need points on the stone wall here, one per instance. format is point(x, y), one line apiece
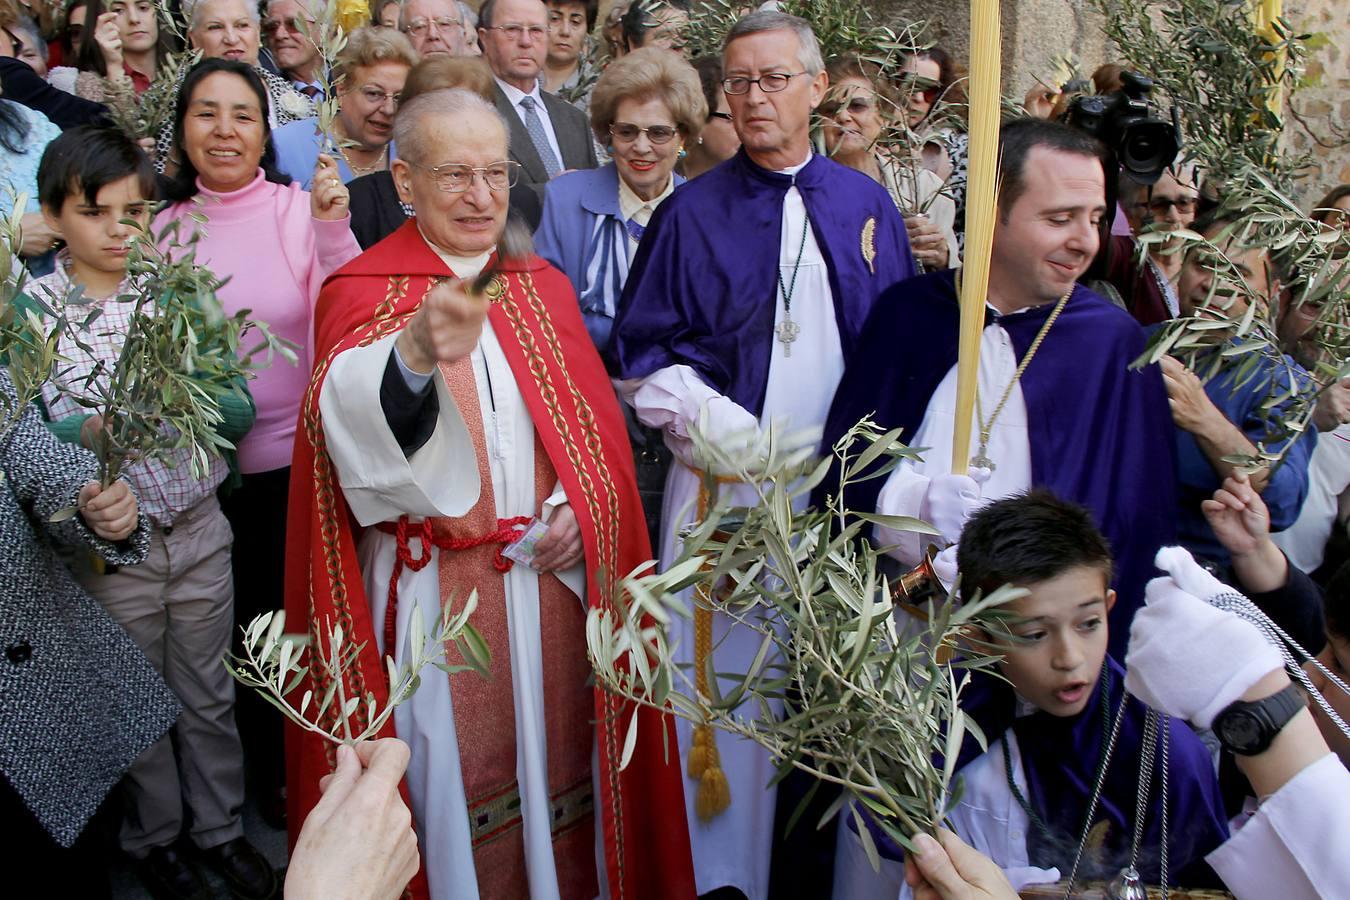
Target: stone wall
point(1325, 107)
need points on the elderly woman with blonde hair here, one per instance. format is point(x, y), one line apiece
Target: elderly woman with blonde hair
point(645, 107)
point(369, 73)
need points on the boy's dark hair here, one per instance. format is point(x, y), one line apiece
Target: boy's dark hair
point(86, 159)
point(1018, 137)
point(1336, 604)
point(1028, 538)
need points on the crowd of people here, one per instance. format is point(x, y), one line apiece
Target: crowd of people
point(538, 258)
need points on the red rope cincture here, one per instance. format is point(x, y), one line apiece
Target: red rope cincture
point(508, 532)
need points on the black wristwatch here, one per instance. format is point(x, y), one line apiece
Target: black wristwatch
point(1248, 728)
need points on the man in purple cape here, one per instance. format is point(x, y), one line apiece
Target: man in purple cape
point(750, 286)
point(1076, 420)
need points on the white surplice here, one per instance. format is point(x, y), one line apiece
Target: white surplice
point(734, 848)
point(441, 479)
point(1009, 444)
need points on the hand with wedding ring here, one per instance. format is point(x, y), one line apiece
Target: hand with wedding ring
point(561, 547)
point(328, 196)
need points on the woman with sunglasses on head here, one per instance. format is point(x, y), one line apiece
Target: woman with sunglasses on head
point(370, 73)
point(858, 113)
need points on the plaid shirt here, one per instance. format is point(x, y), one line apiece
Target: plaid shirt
point(165, 487)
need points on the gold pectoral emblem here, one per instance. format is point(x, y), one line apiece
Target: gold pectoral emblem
point(868, 243)
point(495, 289)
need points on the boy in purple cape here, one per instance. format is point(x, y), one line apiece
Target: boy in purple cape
point(1026, 799)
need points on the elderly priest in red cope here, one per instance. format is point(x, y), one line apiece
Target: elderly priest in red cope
point(439, 420)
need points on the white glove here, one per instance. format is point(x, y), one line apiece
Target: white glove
point(944, 566)
point(728, 426)
point(1189, 575)
point(949, 502)
point(1189, 659)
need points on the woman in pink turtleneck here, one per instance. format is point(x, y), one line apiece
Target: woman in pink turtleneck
point(275, 243)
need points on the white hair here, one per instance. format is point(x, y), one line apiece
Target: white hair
point(194, 11)
point(457, 8)
point(451, 104)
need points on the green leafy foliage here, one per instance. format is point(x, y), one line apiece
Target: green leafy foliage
point(273, 663)
point(870, 699)
point(1228, 81)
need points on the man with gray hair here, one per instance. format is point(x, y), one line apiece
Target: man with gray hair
point(749, 286)
point(457, 402)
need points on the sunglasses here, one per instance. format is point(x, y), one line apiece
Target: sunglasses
point(657, 134)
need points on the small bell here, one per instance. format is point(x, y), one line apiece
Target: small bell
point(1127, 886)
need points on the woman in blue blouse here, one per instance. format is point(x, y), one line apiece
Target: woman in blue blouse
point(645, 107)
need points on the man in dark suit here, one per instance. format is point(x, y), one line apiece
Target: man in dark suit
point(548, 135)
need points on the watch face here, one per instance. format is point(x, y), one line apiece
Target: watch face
point(1241, 729)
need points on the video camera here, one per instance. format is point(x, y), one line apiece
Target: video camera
point(1143, 144)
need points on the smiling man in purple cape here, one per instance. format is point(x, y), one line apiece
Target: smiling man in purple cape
point(750, 287)
point(1058, 406)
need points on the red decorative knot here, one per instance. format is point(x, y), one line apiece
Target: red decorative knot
point(508, 532)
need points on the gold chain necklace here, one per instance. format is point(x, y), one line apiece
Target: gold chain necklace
point(364, 170)
point(981, 458)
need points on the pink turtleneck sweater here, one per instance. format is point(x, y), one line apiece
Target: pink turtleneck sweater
point(276, 257)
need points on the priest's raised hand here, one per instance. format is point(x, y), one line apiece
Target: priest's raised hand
point(446, 327)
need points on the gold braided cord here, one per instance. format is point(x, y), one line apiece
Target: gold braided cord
point(988, 425)
point(704, 762)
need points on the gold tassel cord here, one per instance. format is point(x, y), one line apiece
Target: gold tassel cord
point(703, 761)
point(981, 195)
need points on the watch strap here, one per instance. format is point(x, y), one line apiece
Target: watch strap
point(1271, 713)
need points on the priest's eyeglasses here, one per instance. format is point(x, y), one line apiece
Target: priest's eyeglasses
point(628, 132)
point(456, 178)
point(769, 82)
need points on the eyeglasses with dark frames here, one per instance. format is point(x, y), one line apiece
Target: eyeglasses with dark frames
point(769, 82)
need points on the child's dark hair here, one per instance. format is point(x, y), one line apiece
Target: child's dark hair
point(1336, 604)
point(87, 158)
point(1027, 538)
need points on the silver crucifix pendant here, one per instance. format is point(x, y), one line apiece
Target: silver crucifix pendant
point(980, 461)
point(787, 333)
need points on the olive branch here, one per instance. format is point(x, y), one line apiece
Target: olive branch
point(870, 700)
point(273, 664)
point(1226, 79)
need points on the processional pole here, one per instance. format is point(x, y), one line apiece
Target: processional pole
point(981, 190)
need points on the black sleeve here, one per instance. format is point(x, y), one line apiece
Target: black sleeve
point(411, 414)
point(1296, 607)
point(22, 85)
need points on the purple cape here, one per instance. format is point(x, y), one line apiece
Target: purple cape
point(704, 284)
point(1060, 757)
point(1101, 435)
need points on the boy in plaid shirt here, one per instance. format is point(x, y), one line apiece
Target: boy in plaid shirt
point(178, 604)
